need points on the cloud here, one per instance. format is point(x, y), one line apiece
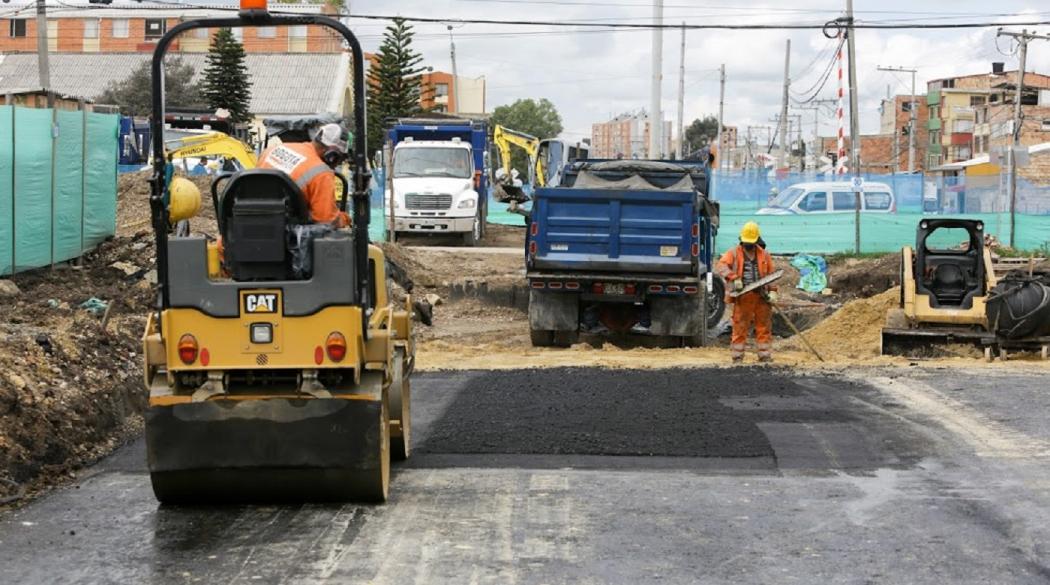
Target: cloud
point(591, 76)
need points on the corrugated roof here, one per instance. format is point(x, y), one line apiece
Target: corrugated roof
point(282, 83)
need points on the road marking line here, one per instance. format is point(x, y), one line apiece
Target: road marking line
point(988, 438)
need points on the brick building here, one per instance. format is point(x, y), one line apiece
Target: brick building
point(626, 136)
point(876, 152)
point(895, 118)
point(135, 27)
point(955, 104)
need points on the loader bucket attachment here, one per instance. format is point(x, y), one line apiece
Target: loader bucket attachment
point(926, 343)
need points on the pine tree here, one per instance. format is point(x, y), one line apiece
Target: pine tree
point(226, 83)
point(394, 81)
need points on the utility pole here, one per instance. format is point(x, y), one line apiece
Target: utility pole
point(681, 98)
point(43, 66)
point(721, 111)
point(854, 117)
point(784, 106)
point(655, 119)
point(913, 106)
point(455, 75)
point(1022, 38)
point(747, 150)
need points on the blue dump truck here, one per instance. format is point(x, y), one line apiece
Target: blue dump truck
point(439, 177)
point(624, 247)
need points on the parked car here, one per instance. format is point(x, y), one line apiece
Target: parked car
point(837, 197)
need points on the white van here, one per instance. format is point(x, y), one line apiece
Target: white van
point(837, 197)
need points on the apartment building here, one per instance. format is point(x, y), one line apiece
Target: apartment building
point(954, 104)
point(135, 27)
point(627, 136)
point(895, 122)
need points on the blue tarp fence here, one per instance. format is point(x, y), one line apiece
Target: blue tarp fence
point(742, 193)
point(58, 185)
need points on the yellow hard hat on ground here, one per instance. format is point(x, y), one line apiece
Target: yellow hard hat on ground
point(749, 234)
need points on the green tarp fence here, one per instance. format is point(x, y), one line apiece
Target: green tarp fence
point(58, 185)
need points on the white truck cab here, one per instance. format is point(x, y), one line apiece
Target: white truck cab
point(434, 189)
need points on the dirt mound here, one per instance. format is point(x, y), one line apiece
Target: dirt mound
point(853, 331)
point(70, 390)
point(864, 277)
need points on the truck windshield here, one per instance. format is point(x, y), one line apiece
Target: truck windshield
point(787, 198)
point(432, 162)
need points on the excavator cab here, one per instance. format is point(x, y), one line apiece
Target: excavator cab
point(277, 368)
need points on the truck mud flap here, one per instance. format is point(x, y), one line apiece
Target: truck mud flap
point(678, 316)
point(550, 311)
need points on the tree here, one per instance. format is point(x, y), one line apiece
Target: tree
point(699, 134)
point(226, 84)
point(133, 95)
point(395, 81)
point(538, 118)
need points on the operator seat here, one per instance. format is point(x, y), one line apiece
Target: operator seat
point(256, 210)
point(949, 284)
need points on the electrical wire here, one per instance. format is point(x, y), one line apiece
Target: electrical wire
point(818, 87)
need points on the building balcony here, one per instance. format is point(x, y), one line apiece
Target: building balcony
point(961, 138)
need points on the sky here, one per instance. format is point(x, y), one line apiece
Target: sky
point(593, 75)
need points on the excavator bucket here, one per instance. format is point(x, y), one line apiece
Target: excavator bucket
point(509, 193)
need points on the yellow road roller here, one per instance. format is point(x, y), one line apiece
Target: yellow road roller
point(277, 364)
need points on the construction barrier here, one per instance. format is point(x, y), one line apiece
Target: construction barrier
point(58, 185)
point(741, 194)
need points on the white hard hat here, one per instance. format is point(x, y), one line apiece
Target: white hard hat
point(334, 137)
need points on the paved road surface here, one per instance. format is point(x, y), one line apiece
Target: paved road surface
point(590, 476)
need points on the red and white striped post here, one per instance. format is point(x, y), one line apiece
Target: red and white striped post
point(840, 161)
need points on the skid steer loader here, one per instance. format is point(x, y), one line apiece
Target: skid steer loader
point(281, 371)
point(945, 282)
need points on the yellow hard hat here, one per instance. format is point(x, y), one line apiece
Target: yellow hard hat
point(185, 199)
point(749, 234)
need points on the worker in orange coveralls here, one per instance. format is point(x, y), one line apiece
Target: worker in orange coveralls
point(740, 267)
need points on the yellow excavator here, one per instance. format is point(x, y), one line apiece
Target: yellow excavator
point(505, 138)
point(212, 144)
point(277, 366)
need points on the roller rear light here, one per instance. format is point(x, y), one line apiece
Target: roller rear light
point(655, 288)
point(532, 247)
point(188, 349)
point(629, 289)
point(335, 346)
point(534, 228)
point(696, 230)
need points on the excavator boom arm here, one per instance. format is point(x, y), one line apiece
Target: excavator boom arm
point(213, 144)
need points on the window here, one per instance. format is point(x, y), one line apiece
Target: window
point(297, 32)
point(935, 136)
point(935, 111)
point(877, 201)
point(844, 201)
point(120, 28)
point(977, 100)
point(266, 32)
point(933, 160)
point(155, 28)
point(238, 33)
point(441, 90)
point(91, 28)
point(202, 33)
point(815, 202)
point(965, 126)
point(18, 28)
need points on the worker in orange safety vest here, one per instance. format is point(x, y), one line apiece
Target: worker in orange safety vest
point(310, 165)
point(739, 267)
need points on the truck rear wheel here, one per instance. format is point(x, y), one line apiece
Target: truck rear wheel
point(541, 338)
point(566, 338)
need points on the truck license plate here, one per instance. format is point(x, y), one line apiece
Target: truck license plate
point(614, 289)
point(668, 250)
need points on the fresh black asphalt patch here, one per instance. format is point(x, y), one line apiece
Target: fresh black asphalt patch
point(695, 413)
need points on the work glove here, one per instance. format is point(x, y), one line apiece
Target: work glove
point(772, 297)
point(738, 285)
